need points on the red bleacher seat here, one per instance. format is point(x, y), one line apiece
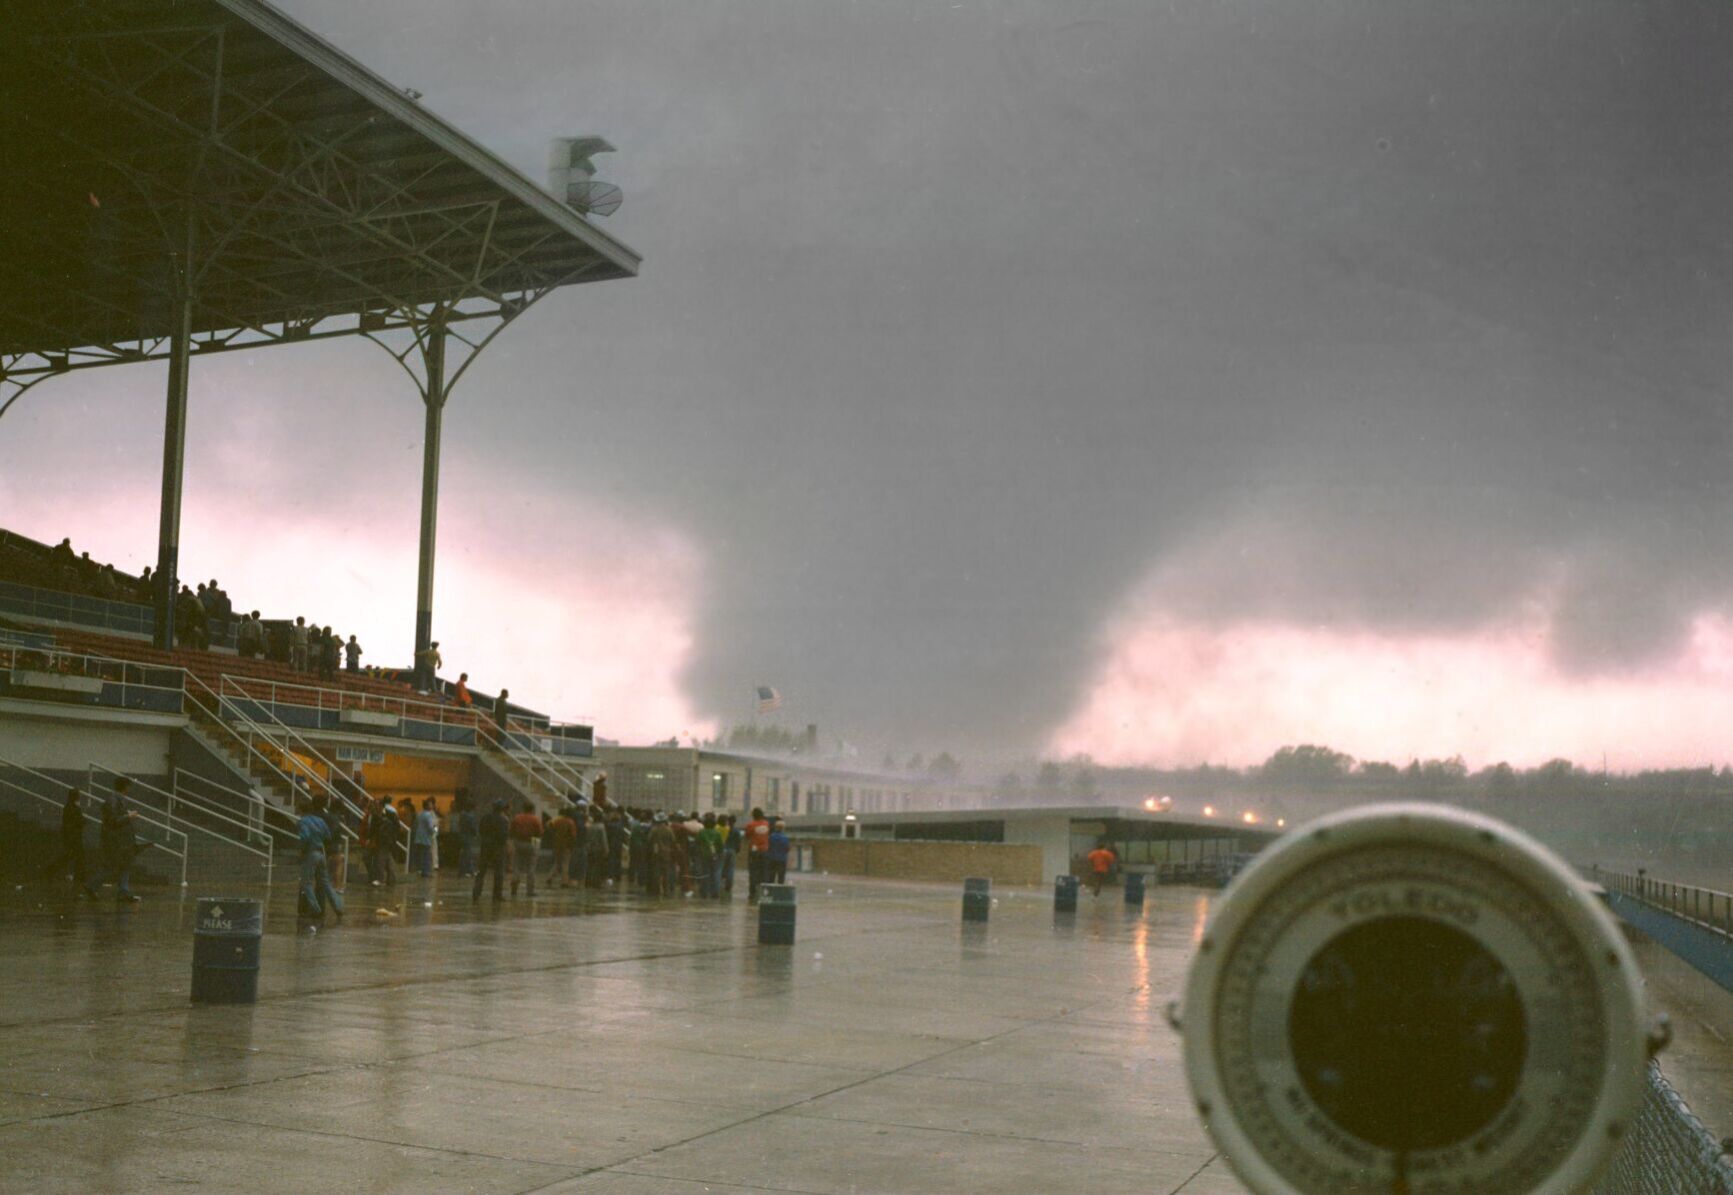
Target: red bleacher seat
point(211, 667)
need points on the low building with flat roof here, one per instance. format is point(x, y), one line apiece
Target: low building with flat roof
point(710, 779)
point(1154, 842)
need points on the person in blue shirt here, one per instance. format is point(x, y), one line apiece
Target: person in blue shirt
point(317, 892)
point(778, 852)
point(422, 838)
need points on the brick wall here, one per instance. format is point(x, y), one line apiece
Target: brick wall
point(937, 861)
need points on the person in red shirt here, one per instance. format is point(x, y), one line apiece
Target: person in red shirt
point(526, 841)
point(463, 697)
point(757, 833)
point(1101, 861)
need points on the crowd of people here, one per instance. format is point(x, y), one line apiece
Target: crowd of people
point(203, 613)
point(583, 844)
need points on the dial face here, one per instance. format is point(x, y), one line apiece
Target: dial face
point(1409, 1019)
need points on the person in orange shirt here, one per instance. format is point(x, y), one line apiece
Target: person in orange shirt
point(463, 697)
point(1101, 861)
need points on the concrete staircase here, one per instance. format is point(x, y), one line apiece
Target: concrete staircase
point(520, 777)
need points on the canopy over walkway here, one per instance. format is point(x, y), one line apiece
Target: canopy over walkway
point(185, 177)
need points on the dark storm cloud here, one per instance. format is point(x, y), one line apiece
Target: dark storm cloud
point(959, 320)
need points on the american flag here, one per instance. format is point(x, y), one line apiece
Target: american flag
point(769, 700)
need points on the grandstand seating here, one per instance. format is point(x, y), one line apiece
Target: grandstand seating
point(358, 690)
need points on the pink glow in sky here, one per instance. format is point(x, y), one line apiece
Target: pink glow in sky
point(582, 612)
point(1175, 691)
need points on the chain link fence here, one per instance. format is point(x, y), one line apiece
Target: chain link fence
point(1668, 1151)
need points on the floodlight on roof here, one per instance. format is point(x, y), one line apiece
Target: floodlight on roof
point(572, 175)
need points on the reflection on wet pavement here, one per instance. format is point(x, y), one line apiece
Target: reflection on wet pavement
point(594, 1042)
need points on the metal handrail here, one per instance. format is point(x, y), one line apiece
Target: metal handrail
point(567, 775)
point(1709, 908)
point(525, 761)
point(245, 743)
point(258, 809)
point(289, 732)
point(572, 774)
point(321, 697)
point(168, 812)
point(168, 831)
point(540, 764)
point(80, 663)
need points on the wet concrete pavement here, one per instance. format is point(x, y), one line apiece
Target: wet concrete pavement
point(597, 1042)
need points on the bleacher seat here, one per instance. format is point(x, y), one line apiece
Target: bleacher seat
point(212, 667)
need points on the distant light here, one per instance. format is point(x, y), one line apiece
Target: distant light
point(1249, 818)
point(1280, 822)
point(1149, 804)
point(1209, 810)
point(848, 817)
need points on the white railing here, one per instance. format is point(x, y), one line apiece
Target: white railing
point(319, 697)
point(1709, 908)
point(168, 832)
point(558, 771)
point(127, 674)
point(278, 726)
point(181, 823)
point(248, 749)
point(205, 794)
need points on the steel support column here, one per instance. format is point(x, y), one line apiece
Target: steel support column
point(174, 433)
point(433, 397)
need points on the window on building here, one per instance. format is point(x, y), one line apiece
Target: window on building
point(719, 789)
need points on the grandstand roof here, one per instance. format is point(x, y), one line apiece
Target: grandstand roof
point(316, 198)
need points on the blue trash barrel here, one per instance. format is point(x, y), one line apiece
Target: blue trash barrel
point(226, 938)
point(776, 915)
point(1134, 887)
point(1065, 894)
point(977, 898)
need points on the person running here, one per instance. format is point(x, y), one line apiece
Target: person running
point(71, 845)
point(1101, 861)
point(757, 833)
point(317, 892)
point(492, 834)
point(526, 835)
point(776, 855)
point(422, 840)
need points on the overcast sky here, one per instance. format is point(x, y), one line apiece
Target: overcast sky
point(1165, 382)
